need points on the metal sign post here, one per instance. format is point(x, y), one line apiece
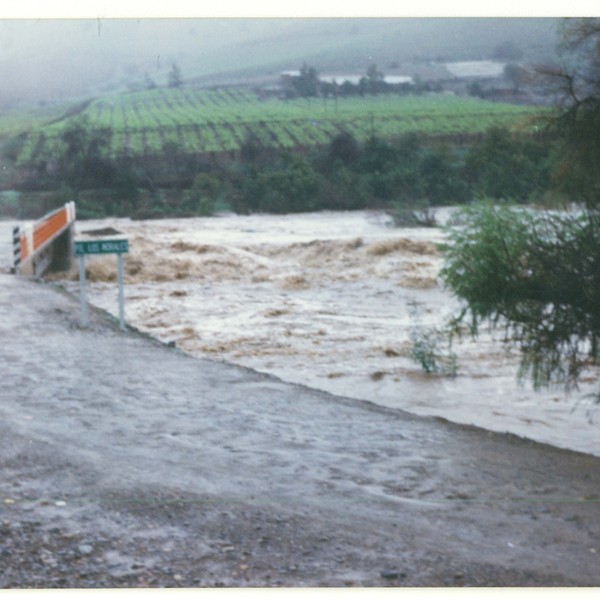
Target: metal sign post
point(121, 294)
point(118, 247)
point(82, 296)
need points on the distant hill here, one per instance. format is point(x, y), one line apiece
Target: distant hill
point(45, 61)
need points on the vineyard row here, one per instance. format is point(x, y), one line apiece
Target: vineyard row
point(194, 121)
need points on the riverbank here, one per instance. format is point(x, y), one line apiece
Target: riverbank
point(126, 463)
point(335, 301)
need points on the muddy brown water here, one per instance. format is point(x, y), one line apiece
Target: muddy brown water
point(329, 300)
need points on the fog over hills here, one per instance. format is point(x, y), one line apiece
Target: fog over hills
point(50, 60)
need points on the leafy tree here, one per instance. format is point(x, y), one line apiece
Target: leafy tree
point(417, 213)
point(537, 273)
point(175, 79)
point(375, 79)
point(149, 83)
point(12, 147)
point(82, 156)
point(201, 198)
point(343, 189)
point(363, 86)
point(378, 156)
point(347, 88)
point(293, 188)
point(476, 89)
point(291, 185)
point(392, 170)
point(344, 147)
point(507, 166)
point(126, 184)
point(442, 176)
point(307, 83)
point(577, 123)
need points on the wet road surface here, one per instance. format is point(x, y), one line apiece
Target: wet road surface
point(125, 462)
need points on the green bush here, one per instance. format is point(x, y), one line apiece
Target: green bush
point(415, 214)
point(343, 189)
point(291, 185)
point(201, 198)
point(431, 347)
point(536, 274)
point(508, 166)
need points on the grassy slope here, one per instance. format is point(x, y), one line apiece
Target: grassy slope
point(217, 121)
point(228, 50)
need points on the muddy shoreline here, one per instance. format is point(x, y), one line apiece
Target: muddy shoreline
point(126, 463)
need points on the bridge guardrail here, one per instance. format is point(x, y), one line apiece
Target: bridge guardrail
point(34, 245)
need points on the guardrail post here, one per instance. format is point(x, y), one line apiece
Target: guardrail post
point(16, 248)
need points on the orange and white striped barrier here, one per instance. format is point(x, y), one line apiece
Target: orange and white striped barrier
point(33, 244)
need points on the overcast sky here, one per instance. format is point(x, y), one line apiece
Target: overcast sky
point(296, 8)
point(49, 60)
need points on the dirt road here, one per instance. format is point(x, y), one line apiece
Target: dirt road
point(126, 463)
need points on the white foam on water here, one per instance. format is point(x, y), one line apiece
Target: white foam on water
point(327, 300)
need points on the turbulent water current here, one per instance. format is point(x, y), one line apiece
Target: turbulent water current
point(330, 300)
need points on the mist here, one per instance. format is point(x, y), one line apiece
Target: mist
point(59, 60)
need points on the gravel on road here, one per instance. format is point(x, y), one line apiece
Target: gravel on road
point(126, 463)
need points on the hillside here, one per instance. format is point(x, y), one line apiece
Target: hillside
point(64, 60)
point(192, 122)
point(123, 129)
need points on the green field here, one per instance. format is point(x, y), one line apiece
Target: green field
point(193, 121)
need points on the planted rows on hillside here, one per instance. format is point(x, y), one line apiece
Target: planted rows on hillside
point(162, 121)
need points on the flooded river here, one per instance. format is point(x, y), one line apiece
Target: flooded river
point(330, 301)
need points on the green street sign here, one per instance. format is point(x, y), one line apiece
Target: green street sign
point(101, 247)
point(118, 247)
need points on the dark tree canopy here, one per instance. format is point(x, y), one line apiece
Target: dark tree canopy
point(82, 157)
point(576, 84)
point(175, 78)
point(307, 83)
